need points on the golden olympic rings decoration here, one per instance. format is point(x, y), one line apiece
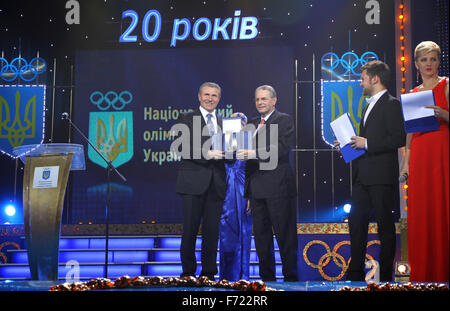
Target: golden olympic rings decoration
point(338, 259)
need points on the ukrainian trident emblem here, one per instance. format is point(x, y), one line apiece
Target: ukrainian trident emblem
point(21, 116)
point(339, 97)
point(46, 174)
point(111, 131)
point(342, 93)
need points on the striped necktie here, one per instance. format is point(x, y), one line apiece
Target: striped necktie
point(210, 125)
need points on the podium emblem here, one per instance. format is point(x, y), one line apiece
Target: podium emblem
point(46, 174)
point(21, 116)
point(111, 131)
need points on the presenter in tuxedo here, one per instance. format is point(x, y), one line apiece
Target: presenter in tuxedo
point(375, 174)
point(201, 182)
point(270, 186)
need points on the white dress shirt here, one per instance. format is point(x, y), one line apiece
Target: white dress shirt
point(371, 101)
point(268, 116)
point(265, 121)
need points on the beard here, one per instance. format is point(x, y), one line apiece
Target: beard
point(367, 92)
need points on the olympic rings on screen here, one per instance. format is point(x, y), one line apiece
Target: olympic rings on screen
point(19, 67)
point(348, 61)
point(111, 98)
point(338, 259)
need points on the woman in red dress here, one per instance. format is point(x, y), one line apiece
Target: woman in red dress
point(426, 161)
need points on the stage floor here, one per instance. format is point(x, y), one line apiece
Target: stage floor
point(310, 286)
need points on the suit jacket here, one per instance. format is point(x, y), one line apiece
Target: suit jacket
point(280, 181)
point(385, 133)
point(195, 175)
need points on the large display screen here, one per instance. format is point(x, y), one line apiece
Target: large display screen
point(127, 101)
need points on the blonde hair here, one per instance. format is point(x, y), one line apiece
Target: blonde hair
point(426, 47)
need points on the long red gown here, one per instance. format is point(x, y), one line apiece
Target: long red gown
point(428, 205)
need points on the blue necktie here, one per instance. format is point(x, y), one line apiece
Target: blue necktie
point(210, 125)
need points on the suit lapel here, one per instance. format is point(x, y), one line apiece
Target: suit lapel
point(361, 122)
point(272, 117)
point(364, 113)
point(199, 113)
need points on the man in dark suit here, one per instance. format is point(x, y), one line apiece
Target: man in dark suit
point(270, 186)
point(375, 174)
point(201, 182)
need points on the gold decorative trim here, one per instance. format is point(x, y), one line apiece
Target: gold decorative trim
point(176, 229)
point(335, 228)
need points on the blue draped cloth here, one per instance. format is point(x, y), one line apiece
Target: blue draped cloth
point(235, 227)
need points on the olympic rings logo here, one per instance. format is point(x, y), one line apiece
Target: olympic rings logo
point(338, 259)
point(2, 255)
point(110, 99)
point(19, 67)
point(348, 61)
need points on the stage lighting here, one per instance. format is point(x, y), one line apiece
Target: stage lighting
point(401, 268)
point(10, 210)
point(347, 208)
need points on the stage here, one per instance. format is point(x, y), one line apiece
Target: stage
point(153, 250)
point(292, 286)
point(309, 286)
point(139, 253)
point(282, 296)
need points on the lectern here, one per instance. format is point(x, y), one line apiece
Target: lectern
point(47, 168)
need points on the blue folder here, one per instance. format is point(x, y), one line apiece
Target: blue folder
point(347, 151)
point(422, 125)
point(415, 119)
point(350, 154)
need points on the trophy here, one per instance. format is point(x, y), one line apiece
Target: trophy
point(233, 136)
